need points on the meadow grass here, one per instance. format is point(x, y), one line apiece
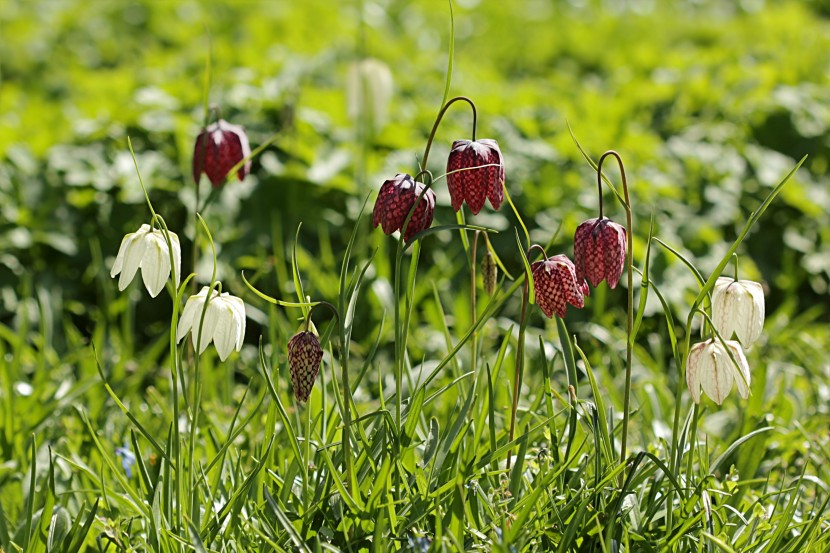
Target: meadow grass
point(117, 438)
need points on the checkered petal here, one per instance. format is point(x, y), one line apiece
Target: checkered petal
point(218, 148)
point(422, 218)
point(475, 173)
point(599, 251)
point(395, 199)
point(556, 285)
point(495, 175)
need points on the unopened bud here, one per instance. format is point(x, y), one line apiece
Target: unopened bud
point(490, 272)
point(304, 356)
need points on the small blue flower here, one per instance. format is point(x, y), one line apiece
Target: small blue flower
point(127, 459)
point(420, 544)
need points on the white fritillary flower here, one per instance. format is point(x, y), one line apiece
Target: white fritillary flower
point(710, 367)
point(147, 249)
point(738, 307)
point(224, 322)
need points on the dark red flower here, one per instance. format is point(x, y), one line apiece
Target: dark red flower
point(304, 356)
point(218, 148)
point(395, 199)
point(475, 185)
point(599, 251)
point(556, 285)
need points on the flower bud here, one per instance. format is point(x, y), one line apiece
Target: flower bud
point(304, 356)
point(489, 272)
point(710, 367)
point(218, 149)
point(599, 251)
point(738, 307)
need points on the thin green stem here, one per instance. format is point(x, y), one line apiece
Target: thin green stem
point(197, 374)
point(347, 394)
point(473, 314)
point(692, 446)
point(307, 460)
point(517, 376)
point(630, 308)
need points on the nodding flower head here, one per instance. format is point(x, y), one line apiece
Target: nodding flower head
point(147, 249)
point(218, 149)
point(738, 307)
point(224, 322)
point(711, 368)
point(475, 172)
point(395, 199)
point(557, 285)
point(599, 251)
point(304, 356)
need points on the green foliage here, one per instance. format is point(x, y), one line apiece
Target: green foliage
point(711, 104)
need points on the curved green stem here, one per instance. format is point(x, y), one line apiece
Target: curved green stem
point(325, 304)
point(438, 122)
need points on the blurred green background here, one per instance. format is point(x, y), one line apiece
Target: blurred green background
point(709, 103)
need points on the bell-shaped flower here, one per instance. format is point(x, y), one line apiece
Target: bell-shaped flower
point(147, 249)
point(738, 307)
point(475, 172)
point(224, 322)
point(304, 356)
point(369, 90)
point(711, 368)
point(395, 199)
point(556, 285)
point(218, 149)
point(599, 251)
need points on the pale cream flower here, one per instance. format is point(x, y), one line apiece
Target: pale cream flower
point(738, 307)
point(369, 90)
point(224, 322)
point(147, 249)
point(710, 367)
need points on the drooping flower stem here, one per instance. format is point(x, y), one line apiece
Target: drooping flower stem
point(197, 374)
point(520, 352)
point(211, 112)
point(438, 122)
point(347, 398)
point(473, 314)
point(402, 326)
point(630, 308)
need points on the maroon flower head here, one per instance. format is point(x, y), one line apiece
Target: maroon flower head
point(218, 148)
point(395, 199)
point(304, 356)
point(556, 285)
point(475, 185)
point(599, 251)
